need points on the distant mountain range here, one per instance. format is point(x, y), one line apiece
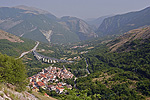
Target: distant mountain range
point(96, 22)
point(78, 26)
point(120, 24)
point(37, 24)
point(41, 25)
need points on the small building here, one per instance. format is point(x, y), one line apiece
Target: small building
point(40, 84)
point(59, 90)
point(46, 94)
point(35, 89)
point(69, 86)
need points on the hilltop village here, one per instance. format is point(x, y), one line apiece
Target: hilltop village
point(49, 79)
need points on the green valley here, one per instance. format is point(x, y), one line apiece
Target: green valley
point(65, 59)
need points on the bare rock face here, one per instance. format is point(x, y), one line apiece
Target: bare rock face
point(47, 34)
point(16, 95)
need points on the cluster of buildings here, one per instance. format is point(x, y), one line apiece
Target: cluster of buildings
point(49, 76)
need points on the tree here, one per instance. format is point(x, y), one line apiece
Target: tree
point(12, 71)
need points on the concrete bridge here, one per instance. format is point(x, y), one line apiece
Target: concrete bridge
point(47, 59)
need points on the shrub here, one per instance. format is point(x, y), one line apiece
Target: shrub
point(1, 94)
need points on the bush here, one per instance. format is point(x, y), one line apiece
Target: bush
point(1, 94)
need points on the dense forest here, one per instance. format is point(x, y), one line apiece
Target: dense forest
point(119, 75)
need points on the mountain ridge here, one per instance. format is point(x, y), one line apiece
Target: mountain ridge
point(9, 37)
point(79, 26)
point(37, 24)
point(122, 23)
point(129, 37)
point(96, 22)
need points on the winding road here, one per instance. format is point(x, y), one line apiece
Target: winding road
point(24, 53)
point(87, 66)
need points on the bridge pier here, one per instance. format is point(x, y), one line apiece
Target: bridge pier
point(46, 59)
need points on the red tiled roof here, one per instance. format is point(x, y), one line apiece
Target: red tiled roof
point(40, 84)
point(46, 94)
point(32, 83)
point(59, 88)
point(35, 87)
point(43, 76)
point(59, 84)
point(49, 86)
point(52, 77)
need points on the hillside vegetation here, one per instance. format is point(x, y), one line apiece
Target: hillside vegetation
point(13, 45)
point(12, 71)
point(120, 75)
point(122, 41)
point(123, 74)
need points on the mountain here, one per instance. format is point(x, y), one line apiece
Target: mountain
point(123, 23)
point(78, 26)
point(130, 39)
point(96, 22)
point(37, 24)
point(9, 37)
point(36, 11)
point(13, 45)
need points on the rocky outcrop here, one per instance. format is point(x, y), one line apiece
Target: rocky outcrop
point(7, 93)
point(47, 34)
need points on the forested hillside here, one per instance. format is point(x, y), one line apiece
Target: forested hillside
point(119, 75)
point(13, 45)
point(12, 71)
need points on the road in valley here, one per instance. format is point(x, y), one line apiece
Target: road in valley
point(87, 66)
point(35, 46)
point(75, 85)
point(24, 53)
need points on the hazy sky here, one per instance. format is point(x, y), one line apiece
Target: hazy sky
point(82, 8)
